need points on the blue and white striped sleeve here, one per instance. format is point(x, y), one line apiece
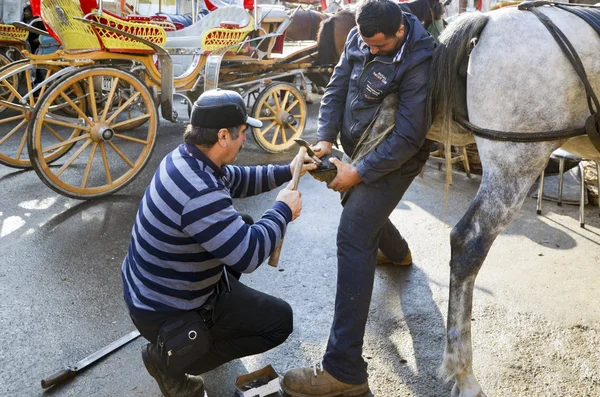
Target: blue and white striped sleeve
point(250, 181)
point(211, 220)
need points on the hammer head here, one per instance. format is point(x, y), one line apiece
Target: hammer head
point(305, 144)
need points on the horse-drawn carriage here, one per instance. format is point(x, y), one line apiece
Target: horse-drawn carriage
point(96, 109)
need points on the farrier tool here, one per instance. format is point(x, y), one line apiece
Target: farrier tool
point(304, 149)
point(309, 151)
point(71, 372)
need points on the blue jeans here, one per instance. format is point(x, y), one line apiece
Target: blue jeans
point(364, 227)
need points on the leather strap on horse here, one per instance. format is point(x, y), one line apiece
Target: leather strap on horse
point(592, 124)
point(495, 135)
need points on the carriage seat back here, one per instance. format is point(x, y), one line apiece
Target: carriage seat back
point(75, 36)
point(269, 13)
point(191, 37)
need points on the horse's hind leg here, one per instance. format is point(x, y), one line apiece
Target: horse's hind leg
point(509, 171)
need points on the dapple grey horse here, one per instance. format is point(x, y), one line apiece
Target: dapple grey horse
point(517, 80)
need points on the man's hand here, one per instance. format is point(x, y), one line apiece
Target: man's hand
point(347, 176)
point(293, 199)
point(322, 148)
point(308, 164)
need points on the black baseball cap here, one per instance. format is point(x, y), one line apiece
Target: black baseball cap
point(221, 109)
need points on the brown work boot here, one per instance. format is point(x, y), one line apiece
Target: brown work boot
point(384, 260)
point(171, 385)
point(315, 381)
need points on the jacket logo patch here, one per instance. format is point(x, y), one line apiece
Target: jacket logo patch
point(375, 87)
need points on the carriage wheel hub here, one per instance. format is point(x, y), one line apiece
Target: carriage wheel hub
point(284, 118)
point(102, 132)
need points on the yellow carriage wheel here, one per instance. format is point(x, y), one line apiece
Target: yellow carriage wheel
point(102, 159)
point(14, 122)
point(282, 110)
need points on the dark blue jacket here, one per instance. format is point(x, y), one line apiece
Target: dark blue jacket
point(358, 87)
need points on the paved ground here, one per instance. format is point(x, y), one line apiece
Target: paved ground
point(536, 314)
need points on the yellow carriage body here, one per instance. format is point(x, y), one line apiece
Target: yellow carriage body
point(12, 34)
point(216, 38)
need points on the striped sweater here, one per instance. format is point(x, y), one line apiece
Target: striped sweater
point(186, 230)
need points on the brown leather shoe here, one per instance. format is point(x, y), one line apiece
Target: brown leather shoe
point(315, 381)
point(384, 260)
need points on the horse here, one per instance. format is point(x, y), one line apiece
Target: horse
point(334, 30)
point(505, 74)
point(305, 25)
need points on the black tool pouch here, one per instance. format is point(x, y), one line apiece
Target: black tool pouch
point(183, 340)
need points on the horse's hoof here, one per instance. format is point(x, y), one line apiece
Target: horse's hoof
point(455, 391)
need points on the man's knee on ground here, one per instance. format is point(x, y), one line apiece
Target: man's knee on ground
point(283, 321)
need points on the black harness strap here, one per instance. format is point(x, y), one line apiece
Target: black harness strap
point(519, 136)
point(592, 125)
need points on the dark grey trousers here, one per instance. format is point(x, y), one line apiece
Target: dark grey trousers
point(364, 227)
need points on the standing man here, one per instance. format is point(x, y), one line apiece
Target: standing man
point(387, 52)
point(189, 246)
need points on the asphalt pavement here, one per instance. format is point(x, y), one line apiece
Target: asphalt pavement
point(536, 317)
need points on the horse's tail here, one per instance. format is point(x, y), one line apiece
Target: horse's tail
point(447, 88)
point(326, 42)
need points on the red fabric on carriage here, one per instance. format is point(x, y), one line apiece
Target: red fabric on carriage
point(36, 11)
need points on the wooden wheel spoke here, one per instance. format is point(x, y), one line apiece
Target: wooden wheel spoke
point(13, 131)
point(12, 89)
point(267, 118)
point(130, 121)
point(65, 143)
point(110, 98)
point(13, 118)
point(275, 134)
point(65, 124)
point(125, 159)
point(293, 129)
point(264, 131)
point(122, 107)
point(270, 108)
point(73, 157)
point(297, 101)
point(285, 99)
point(21, 146)
point(276, 100)
point(130, 138)
point(283, 136)
point(76, 108)
point(13, 106)
point(86, 174)
point(53, 132)
point(93, 99)
point(43, 89)
point(105, 162)
point(29, 87)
